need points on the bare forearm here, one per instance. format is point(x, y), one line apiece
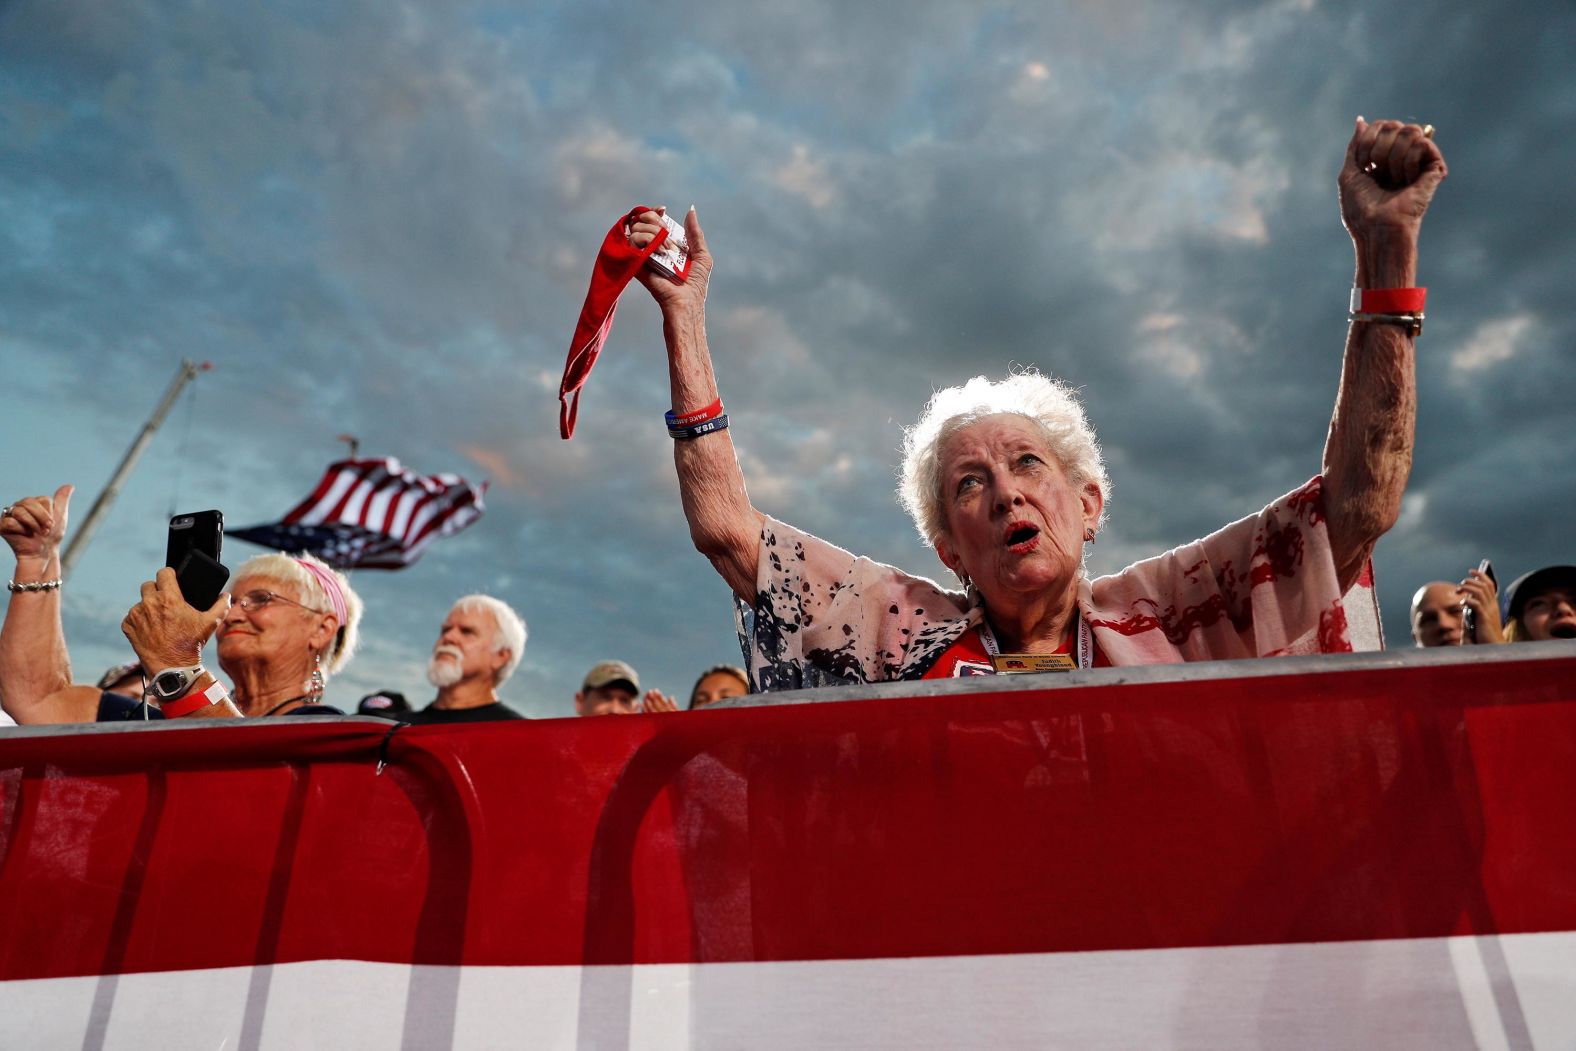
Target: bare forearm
point(33, 659)
point(723, 524)
point(1368, 455)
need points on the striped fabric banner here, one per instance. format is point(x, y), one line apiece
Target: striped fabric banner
point(373, 514)
point(1355, 851)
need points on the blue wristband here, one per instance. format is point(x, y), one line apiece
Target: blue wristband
point(719, 423)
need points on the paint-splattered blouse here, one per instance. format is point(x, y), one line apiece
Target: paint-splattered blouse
point(1262, 586)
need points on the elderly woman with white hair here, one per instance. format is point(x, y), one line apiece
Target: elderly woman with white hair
point(292, 623)
point(1005, 480)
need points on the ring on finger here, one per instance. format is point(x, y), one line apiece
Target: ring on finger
point(7, 512)
point(1428, 131)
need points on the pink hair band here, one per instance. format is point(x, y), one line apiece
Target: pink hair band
point(331, 588)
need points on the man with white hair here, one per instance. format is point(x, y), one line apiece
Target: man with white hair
point(477, 650)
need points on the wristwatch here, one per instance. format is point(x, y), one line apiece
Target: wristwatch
point(172, 683)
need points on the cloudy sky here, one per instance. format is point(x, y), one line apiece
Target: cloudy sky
point(379, 218)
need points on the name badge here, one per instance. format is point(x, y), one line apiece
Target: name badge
point(1022, 663)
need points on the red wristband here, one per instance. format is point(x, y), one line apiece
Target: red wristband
point(194, 700)
point(1388, 300)
point(690, 419)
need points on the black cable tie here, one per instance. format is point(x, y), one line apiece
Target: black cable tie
point(383, 748)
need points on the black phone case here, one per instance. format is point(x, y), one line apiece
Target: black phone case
point(203, 532)
point(201, 579)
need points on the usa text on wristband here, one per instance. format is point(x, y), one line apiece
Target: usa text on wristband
point(686, 433)
point(194, 700)
point(1388, 300)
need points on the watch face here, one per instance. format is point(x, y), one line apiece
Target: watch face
point(170, 684)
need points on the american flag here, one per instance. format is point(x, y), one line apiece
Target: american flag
point(373, 514)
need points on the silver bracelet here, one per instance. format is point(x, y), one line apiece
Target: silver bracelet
point(37, 585)
point(1413, 323)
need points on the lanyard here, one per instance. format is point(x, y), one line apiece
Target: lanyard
point(1038, 662)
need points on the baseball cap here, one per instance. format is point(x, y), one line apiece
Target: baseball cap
point(1530, 583)
point(117, 673)
point(606, 673)
point(383, 702)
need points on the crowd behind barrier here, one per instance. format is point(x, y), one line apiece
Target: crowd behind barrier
point(289, 622)
point(1536, 607)
point(284, 627)
point(1005, 479)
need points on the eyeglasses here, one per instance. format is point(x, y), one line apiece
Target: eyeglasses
point(253, 601)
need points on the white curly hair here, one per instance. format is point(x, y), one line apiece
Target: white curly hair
point(1051, 404)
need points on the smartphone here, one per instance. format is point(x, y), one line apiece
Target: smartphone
point(195, 542)
point(1468, 617)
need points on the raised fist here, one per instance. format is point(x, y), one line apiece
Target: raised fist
point(1390, 175)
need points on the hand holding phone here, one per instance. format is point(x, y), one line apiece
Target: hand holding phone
point(1480, 606)
point(164, 630)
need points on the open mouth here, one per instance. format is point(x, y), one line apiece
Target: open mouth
point(1563, 631)
point(1021, 536)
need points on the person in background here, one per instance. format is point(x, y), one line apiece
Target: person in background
point(1542, 605)
point(388, 703)
point(717, 684)
point(478, 648)
point(1438, 607)
point(293, 623)
point(124, 679)
point(610, 688)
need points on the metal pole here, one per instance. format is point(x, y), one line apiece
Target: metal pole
point(187, 372)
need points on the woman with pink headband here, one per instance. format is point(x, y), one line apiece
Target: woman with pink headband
point(286, 625)
point(292, 623)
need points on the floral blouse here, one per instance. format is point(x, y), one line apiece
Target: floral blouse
point(1262, 586)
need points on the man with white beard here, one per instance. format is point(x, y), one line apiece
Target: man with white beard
point(477, 650)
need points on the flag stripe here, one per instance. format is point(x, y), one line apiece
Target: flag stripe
point(341, 512)
point(321, 508)
point(323, 486)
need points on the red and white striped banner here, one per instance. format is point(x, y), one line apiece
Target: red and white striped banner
point(1382, 853)
point(373, 514)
